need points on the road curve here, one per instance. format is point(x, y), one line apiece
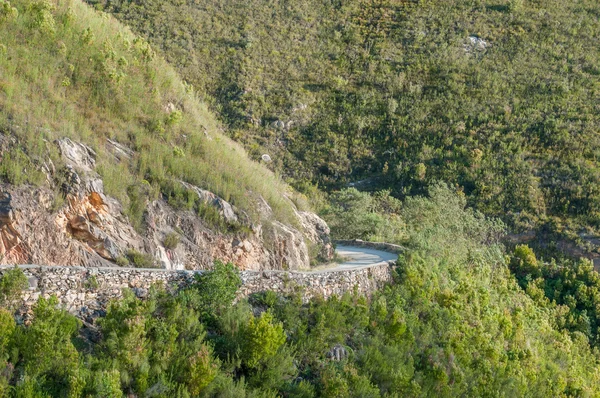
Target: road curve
point(354, 258)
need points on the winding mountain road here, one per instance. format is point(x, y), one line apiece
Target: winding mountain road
point(354, 258)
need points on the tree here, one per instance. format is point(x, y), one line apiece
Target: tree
point(214, 291)
point(12, 283)
point(263, 338)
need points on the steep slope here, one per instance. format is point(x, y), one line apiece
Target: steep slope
point(106, 155)
point(500, 98)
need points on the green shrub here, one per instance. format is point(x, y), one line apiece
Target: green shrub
point(107, 384)
point(359, 215)
point(47, 351)
point(138, 195)
point(216, 290)
point(92, 282)
point(524, 263)
point(41, 15)
point(267, 298)
point(122, 261)
point(7, 11)
point(12, 283)
point(515, 5)
point(211, 216)
point(174, 118)
point(141, 260)
point(203, 370)
point(263, 337)
point(178, 152)
point(171, 240)
point(333, 383)
point(8, 327)
point(178, 196)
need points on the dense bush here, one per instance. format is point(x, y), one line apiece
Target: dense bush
point(454, 323)
point(352, 214)
point(171, 240)
point(214, 292)
point(141, 260)
point(569, 288)
point(11, 285)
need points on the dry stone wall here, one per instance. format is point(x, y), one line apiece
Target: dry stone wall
point(324, 284)
point(85, 292)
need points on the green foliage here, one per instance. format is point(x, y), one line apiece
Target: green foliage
point(171, 240)
point(92, 282)
point(7, 330)
point(122, 261)
point(107, 384)
point(359, 215)
point(263, 338)
point(569, 289)
point(17, 168)
point(524, 264)
point(455, 322)
point(47, 352)
point(41, 15)
point(268, 298)
point(7, 11)
point(515, 5)
point(174, 118)
point(138, 195)
point(443, 221)
point(141, 260)
point(12, 284)
point(70, 71)
point(149, 340)
point(7, 333)
point(214, 291)
point(203, 370)
point(400, 94)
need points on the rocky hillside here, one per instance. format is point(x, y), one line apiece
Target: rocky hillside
point(108, 158)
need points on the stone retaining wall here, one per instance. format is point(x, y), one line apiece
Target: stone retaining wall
point(85, 292)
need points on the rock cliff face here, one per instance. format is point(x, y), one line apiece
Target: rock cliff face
point(88, 228)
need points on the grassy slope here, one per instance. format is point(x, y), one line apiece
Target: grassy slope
point(392, 93)
point(69, 71)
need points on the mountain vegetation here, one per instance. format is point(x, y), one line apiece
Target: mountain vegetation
point(69, 71)
point(454, 323)
point(499, 98)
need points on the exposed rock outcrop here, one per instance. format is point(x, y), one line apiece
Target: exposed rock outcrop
point(119, 151)
point(289, 248)
point(337, 353)
point(317, 231)
point(11, 248)
point(89, 228)
point(89, 216)
point(223, 207)
point(42, 238)
point(77, 154)
point(475, 45)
